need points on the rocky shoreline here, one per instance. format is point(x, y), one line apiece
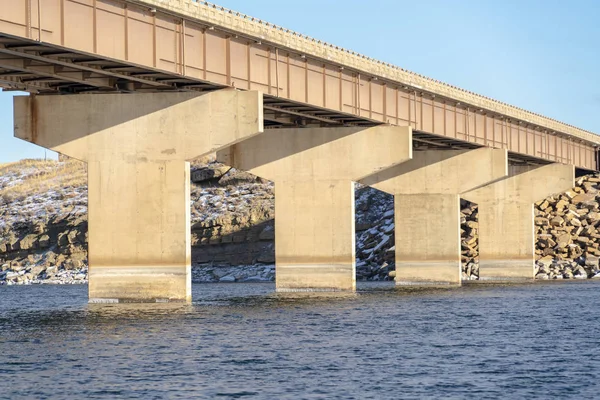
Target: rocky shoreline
point(568, 239)
point(43, 227)
point(200, 274)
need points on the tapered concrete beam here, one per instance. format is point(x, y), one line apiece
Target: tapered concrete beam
point(427, 209)
point(506, 219)
point(136, 147)
point(442, 172)
point(138, 127)
point(321, 153)
point(313, 170)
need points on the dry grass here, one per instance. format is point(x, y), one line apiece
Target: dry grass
point(31, 177)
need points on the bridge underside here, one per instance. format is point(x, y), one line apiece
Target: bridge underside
point(136, 147)
point(136, 92)
point(44, 69)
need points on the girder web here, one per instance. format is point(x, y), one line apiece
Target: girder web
point(44, 70)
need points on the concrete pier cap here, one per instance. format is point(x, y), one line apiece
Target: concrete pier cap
point(427, 192)
point(136, 147)
point(314, 170)
point(506, 219)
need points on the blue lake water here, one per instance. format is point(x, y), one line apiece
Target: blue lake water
point(538, 341)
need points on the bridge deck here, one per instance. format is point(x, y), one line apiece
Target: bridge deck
point(97, 46)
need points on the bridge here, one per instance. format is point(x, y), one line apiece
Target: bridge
point(135, 88)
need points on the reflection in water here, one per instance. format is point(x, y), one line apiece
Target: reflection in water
point(246, 341)
point(137, 312)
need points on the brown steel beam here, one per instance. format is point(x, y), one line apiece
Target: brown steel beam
point(80, 66)
point(436, 144)
point(9, 84)
point(23, 65)
point(300, 114)
point(186, 55)
point(15, 73)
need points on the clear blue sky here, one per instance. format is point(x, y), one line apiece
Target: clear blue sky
point(539, 55)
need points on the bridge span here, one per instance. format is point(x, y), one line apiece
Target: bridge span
point(137, 87)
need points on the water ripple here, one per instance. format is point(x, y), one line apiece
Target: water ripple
point(245, 341)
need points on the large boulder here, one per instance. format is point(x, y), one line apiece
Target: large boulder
point(583, 197)
point(208, 173)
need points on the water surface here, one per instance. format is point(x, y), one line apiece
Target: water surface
point(243, 341)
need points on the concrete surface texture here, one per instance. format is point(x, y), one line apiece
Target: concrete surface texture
point(136, 147)
point(313, 170)
point(138, 127)
point(506, 219)
point(427, 239)
point(427, 209)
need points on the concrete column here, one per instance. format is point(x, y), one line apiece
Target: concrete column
point(427, 209)
point(314, 229)
point(427, 239)
point(506, 219)
point(313, 170)
point(139, 230)
point(136, 147)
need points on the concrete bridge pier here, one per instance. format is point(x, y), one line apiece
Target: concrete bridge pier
point(136, 147)
point(313, 170)
point(426, 193)
point(506, 219)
